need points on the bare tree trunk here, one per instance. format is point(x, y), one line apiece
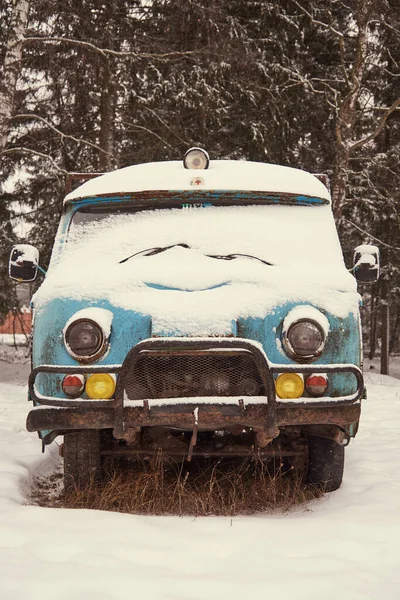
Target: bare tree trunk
point(385, 339)
point(108, 99)
point(346, 118)
point(107, 117)
point(339, 179)
point(394, 334)
point(14, 332)
point(12, 66)
point(348, 108)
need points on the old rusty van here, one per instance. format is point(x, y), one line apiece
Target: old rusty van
point(198, 308)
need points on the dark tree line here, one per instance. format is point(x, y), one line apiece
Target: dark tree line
point(89, 86)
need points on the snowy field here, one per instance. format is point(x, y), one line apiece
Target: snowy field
point(374, 366)
point(345, 545)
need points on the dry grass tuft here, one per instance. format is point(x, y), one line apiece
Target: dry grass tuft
point(204, 488)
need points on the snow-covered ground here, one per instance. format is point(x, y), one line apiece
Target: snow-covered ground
point(345, 545)
point(374, 365)
point(9, 339)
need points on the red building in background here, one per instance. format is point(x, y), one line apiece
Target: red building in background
point(17, 323)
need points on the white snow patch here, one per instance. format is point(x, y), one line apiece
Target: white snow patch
point(367, 255)
point(9, 339)
point(304, 400)
point(28, 253)
point(306, 312)
point(101, 316)
point(367, 249)
point(200, 400)
point(366, 259)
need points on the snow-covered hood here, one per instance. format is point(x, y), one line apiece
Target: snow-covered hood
point(186, 289)
point(187, 293)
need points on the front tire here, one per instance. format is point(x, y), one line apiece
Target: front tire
point(82, 459)
point(325, 463)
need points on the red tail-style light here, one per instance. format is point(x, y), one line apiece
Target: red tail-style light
point(317, 384)
point(73, 385)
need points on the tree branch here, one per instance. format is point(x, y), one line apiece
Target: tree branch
point(167, 126)
point(60, 133)
point(142, 128)
point(378, 130)
point(369, 235)
point(30, 212)
point(107, 51)
point(35, 153)
point(316, 22)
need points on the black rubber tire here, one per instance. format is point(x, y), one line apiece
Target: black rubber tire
point(82, 459)
point(325, 463)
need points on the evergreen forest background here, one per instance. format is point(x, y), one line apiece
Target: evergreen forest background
point(90, 86)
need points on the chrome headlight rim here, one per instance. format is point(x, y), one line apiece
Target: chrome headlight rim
point(291, 352)
point(101, 346)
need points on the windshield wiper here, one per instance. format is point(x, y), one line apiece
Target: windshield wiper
point(233, 256)
point(153, 251)
point(159, 249)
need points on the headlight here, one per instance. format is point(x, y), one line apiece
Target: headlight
point(304, 340)
point(85, 340)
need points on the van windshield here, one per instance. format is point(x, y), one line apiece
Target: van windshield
point(278, 235)
point(179, 268)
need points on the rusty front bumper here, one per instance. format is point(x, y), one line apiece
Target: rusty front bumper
point(266, 415)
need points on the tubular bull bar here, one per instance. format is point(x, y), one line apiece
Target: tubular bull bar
point(265, 414)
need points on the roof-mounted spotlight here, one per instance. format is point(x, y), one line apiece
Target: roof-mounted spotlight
point(196, 158)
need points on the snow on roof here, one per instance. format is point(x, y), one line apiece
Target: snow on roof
point(221, 175)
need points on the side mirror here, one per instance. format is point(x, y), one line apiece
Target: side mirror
point(366, 264)
point(24, 261)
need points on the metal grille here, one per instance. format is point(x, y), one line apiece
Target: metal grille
point(164, 376)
